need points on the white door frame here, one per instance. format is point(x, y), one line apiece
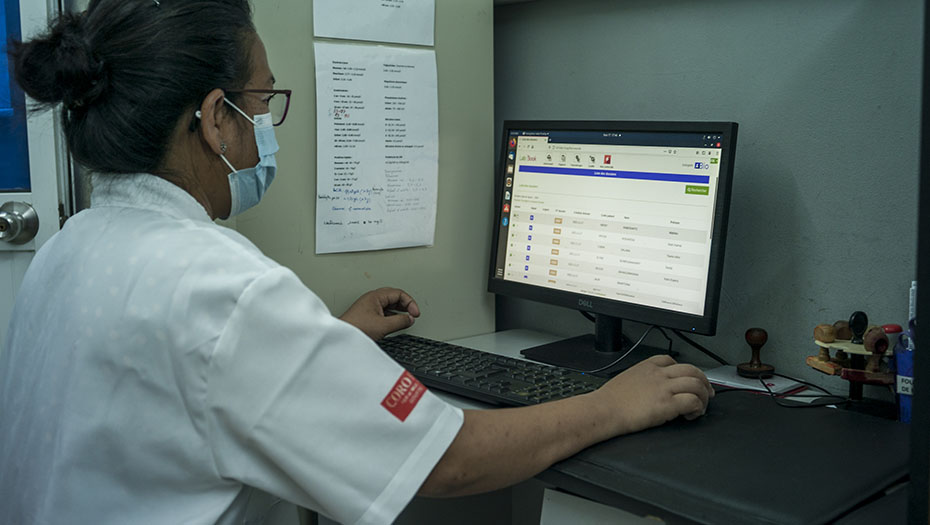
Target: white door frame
point(46, 147)
point(46, 166)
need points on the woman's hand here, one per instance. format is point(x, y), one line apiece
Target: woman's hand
point(654, 391)
point(381, 312)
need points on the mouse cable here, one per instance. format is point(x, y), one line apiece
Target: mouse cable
point(589, 317)
point(695, 344)
point(777, 398)
point(630, 349)
point(667, 338)
point(805, 383)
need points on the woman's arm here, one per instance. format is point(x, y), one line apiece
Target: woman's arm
point(497, 448)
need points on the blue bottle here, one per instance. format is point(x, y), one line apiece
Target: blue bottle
point(904, 365)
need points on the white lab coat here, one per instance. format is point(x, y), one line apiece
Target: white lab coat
point(158, 367)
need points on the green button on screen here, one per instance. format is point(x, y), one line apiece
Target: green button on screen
point(697, 190)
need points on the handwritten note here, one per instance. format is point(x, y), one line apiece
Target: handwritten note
point(398, 21)
point(377, 149)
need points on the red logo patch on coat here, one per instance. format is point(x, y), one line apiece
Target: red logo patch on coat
point(405, 395)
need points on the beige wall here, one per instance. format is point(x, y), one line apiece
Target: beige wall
point(448, 279)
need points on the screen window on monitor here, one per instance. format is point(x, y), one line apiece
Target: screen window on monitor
point(590, 214)
point(623, 219)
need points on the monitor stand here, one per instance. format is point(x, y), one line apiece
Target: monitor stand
point(595, 351)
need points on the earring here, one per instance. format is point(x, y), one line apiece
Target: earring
point(223, 147)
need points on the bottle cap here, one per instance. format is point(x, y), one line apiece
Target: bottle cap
point(892, 328)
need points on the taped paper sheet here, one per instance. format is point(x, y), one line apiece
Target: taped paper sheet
point(398, 21)
point(377, 147)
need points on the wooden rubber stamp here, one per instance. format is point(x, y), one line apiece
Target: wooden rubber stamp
point(755, 368)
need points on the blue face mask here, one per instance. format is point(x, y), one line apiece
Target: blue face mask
point(246, 187)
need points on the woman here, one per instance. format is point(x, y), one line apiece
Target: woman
point(159, 368)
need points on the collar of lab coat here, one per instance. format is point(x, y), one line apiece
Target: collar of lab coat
point(145, 191)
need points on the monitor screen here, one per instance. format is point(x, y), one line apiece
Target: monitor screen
point(622, 219)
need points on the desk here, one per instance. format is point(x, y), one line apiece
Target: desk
point(746, 461)
point(704, 471)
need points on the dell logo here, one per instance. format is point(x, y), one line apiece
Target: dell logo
point(584, 303)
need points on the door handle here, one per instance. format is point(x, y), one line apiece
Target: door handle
point(19, 222)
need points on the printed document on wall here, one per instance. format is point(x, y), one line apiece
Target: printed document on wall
point(377, 147)
point(398, 21)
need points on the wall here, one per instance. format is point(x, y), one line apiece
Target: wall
point(448, 279)
point(824, 214)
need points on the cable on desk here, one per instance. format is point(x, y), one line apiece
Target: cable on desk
point(812, 385)
point(695, 344)
point(667, 338)
point(630, 349)
point(778, 397)
point(775, 397)
point(589, 317)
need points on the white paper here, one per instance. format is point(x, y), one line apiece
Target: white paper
point(377, 147)
point(400, 21)
point(728, 376)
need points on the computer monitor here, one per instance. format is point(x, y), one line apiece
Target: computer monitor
point(625, 220)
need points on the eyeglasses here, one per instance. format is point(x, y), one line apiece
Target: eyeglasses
point(278, 103)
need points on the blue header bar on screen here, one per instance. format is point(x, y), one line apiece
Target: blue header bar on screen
point(617, 174)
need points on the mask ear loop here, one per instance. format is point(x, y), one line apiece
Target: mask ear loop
point(198, 115)
point(226, 100)
point(231, 168)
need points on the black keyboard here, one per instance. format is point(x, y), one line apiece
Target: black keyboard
point(485, 376)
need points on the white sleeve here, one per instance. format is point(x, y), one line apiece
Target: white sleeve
point(298, 405)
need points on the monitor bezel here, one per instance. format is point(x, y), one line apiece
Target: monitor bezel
point(705, 324)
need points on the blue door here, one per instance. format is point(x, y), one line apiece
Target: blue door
point(14, 159)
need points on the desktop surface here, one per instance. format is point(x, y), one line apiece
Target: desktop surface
point(747, 460)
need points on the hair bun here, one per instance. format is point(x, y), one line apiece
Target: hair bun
point(61, 66)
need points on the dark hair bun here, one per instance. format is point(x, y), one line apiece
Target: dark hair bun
point(129, 72)
point(61, 66)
